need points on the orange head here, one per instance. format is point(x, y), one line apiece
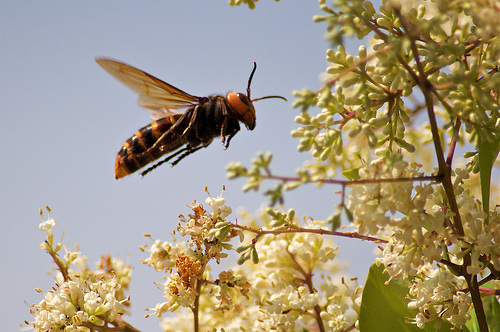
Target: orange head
point(243, 105)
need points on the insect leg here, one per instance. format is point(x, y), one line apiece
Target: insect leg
point(182, 152)
point(193, 121)
point(170, 157)
point(225, 123)
point(230, 136)
point(187, 153)
point(174, 130)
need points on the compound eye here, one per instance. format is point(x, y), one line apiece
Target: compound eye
point(240, 103)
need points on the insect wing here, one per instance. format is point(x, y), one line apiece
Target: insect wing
point(157, 114)
point(154, 94)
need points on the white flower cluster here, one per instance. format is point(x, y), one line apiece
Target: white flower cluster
point(179, 288)
point(163, 255)
point(220, 306)
point(424, 236)
point(76, 304)
point(440, 294)
point(82, 299)
point(372, 202)
point(278, 293)
point(283, 283)
point(190, 260)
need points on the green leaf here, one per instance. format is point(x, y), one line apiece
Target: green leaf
point(384, 307)
point(491, 309)
point(487, 154)
point(351, 174)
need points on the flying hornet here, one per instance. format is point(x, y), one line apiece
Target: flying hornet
point(175, 132)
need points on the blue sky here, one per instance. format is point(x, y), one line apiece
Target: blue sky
point(64, 119)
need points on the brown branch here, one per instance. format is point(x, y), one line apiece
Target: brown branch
point(444, 168)
point(453, 143)
point(308, 281)
point(292, 229)
point(353, 182)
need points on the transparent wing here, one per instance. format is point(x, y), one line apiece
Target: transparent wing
point(154, 94)
point(157, 114)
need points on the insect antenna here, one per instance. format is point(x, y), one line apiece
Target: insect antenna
point(269, 97)
point(250, 81)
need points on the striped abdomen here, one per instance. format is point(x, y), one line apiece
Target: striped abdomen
point(137, 151)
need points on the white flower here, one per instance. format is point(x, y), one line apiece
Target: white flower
point(46, 226)
point(92, 302)
point(162, 257)
point(219, 209)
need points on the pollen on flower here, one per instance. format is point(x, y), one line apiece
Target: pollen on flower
point(197, 225)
